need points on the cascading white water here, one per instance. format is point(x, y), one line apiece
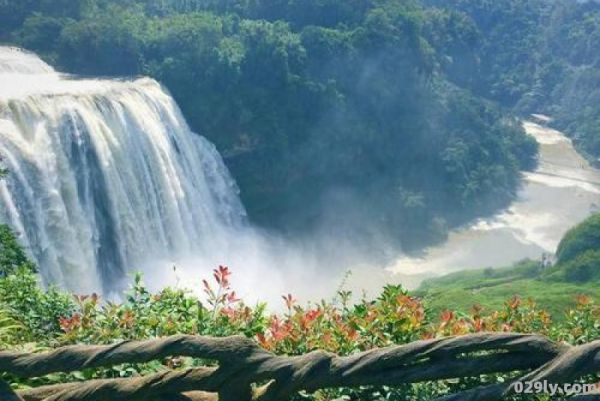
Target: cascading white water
point(105, 175)
point(14, 60)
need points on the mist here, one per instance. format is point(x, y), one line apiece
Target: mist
point(266, 266)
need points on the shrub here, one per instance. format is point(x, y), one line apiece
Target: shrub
point(8, 328)
point(12, 255)
point(583, 268)
point(52, 318)
point(38, 310)
point(582, 323)
point(581, 238)
point(49, 318)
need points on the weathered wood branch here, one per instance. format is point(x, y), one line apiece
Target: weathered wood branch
point(242, 364)
point(79, 357)
point(570, 365)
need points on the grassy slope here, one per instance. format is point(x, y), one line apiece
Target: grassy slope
point(490, 288)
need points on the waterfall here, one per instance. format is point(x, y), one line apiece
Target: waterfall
point(14, 60)
point(105, 176)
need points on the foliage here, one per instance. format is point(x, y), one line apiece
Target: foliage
point(342, 326)
point(393, 318)
point(535, 56)
point(8, 328)
point(578, 254)
point(582, 324)
point(508, 32)
point(170, 311)
point(581, 238)
point(12, 255)
point(21, 296)
point(583, 268)
point(49, 318)
point(38, 310)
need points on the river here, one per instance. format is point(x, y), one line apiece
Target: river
point(562, 191)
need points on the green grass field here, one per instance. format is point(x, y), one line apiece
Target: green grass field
point(490, 288)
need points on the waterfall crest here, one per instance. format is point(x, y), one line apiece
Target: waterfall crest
point(105, 176)
point(18, 61)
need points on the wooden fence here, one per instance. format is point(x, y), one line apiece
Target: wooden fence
point(244, 372)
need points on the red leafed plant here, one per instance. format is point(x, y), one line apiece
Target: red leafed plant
point(223, 297)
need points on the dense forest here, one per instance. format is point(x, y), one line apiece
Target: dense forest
point(533, 56)
point(312, 103)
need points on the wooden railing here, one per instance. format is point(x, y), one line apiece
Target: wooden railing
point(244, 372)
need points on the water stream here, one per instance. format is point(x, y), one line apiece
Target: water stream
point(561, 192)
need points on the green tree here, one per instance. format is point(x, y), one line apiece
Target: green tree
point(12, 255)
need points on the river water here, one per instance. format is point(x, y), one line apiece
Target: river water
point(561, 192)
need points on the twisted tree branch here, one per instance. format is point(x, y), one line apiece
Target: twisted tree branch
point(242, 363)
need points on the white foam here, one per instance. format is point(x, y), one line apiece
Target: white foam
point(545, 135)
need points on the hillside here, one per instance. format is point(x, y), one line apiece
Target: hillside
point(575, 272)
point(534, 56)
